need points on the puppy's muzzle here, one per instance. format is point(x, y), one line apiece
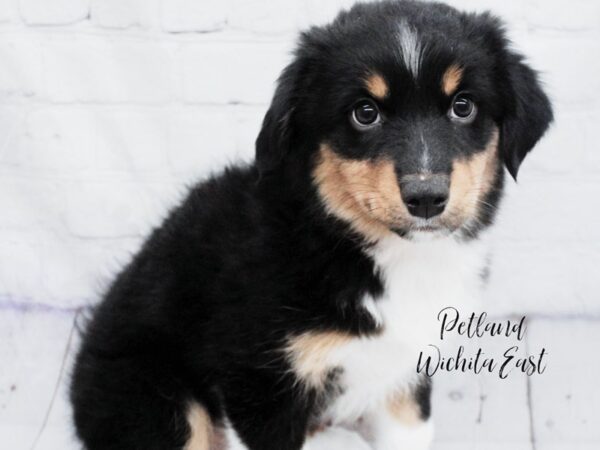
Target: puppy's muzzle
point(425, 196)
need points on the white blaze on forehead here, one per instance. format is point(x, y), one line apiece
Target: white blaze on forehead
point(410, 47)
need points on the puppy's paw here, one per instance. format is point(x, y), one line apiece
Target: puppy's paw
point(336, 438)
point(417, 437)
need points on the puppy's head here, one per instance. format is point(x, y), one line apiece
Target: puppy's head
point(404, 115)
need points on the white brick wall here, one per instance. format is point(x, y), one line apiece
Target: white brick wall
point(56, 12)
point(108, 108)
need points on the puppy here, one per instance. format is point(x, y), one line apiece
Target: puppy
point(294, 293)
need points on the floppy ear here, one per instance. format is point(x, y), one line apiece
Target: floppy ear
point(527, 118)
point(274, 139)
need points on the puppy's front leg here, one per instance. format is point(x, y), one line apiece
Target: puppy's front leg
point(404, 422)
point(336, 438)
point(266, 411)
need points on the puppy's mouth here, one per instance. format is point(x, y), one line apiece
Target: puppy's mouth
point(431, 228)
point(427, 228)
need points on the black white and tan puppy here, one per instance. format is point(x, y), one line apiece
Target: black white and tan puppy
point(290, 297)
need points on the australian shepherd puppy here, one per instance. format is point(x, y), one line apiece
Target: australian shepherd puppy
point(290, 297)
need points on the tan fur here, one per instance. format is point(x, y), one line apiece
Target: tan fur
point(451, 79)
point(377, 86)
point(471, 179)
point(404, 409)
point(204, 435)
point(309, 354)
point(366, 193)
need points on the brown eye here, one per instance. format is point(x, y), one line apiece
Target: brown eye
point(463, 109)
point(365, 114)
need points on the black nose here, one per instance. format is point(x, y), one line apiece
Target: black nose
point(425, 195)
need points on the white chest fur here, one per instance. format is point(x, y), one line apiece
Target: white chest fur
point(420, 279)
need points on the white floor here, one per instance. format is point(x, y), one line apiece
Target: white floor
point(557, 410)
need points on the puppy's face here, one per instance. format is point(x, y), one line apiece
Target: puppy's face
point(415, 149)
point(406, 114)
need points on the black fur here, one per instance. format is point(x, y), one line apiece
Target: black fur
point(251, 257)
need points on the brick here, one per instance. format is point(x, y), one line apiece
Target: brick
point(55, 12)
point(568, 66)
point(512, 12)
point(551, 278)
point(78, 271)
point(54, 139)
point(201, 141)
point(29, 203)
point(179, 16)
point(9, 11)
point(579, 15)
point(565, 147)
point(58, 270)
point(109, 209)
point(232, 72)
point(12, 119)
point(21, 70)
point(21, 271)
point(116, 208)
point(267, 16)
point(321, 13)
point(125, 13)
point(68, 139)
point(95, 69)
point(550, 209)
point(131, 140)
point(588, 126)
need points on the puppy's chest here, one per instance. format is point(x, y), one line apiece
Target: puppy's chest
point(420, 280)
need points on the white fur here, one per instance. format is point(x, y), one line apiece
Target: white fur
point(421, 278)
point(233, 440)
point(328, 439)
point(372, 308)
point(336, 438)
point(411, 49)
point(393, 435)
point(425, 157)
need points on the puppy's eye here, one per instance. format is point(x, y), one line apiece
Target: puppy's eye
point(365, 114)
point(463, 109)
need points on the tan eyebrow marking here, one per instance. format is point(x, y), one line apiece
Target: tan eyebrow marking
point(451, 79)
point(377, 86)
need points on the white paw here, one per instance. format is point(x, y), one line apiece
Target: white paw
point(336, 438)
point(419, 437)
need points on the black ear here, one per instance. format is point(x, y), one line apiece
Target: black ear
point(274, 139)
point(528, 113)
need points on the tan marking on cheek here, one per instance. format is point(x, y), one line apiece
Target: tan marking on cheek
point(471, 180)
point(451, 79)
point(377, 86)
point(310, 355)
point(363, 193)
point(201, 437)
point(404, 409)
